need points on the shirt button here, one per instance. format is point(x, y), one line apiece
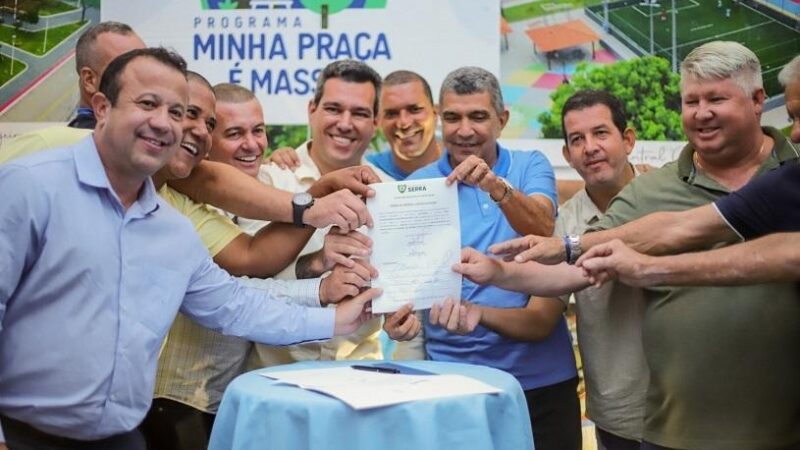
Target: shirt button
point(113, 397)
point(485, 206)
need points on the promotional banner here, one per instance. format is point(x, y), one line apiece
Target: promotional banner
point(276, 48)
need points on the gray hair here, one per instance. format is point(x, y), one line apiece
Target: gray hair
point(720, 60)
point(790, 72)
point(473, 80)
point(84, 48)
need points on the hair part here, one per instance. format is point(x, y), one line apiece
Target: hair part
point(110, 82)
point(790, 72)
point(84, 48)
point(473, 80)
point(233, 93)
point(591, 97)
point(721, 60)
point(351, 71)
point(399, 77)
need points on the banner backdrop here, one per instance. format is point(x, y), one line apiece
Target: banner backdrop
point(276, 48)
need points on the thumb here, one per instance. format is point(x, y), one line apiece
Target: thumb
point(367, 295)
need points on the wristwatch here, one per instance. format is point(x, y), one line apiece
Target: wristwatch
point(509, 189)
point(572, 245)
point(300, 203)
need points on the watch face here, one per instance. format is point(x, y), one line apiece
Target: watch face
point(302, 199)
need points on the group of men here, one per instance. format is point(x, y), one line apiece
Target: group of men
point(90, 237)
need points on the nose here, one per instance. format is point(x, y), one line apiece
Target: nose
point(404, 120)
point(345, 122)
point(251, 143)
point(160, 120)
point(704, 110)
point(465, 129)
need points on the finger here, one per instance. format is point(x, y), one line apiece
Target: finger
point(447, 310)
point(452, 321)
point(509, 246)
point(368, 295)
point(433, 316)
point(369, 270)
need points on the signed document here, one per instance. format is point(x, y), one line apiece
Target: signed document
point(415, 241)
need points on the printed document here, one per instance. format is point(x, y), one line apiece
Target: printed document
point(416, 239)
point(363, 390)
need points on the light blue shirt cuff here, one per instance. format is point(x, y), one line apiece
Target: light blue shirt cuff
point(320, 324)
point(306, 292)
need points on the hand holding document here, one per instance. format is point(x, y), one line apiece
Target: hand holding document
point(363, 389)
point(416, 240)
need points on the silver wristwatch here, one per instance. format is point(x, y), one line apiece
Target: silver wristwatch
point(572, 244)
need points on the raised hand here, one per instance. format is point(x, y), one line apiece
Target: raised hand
point(403, 324)
point(460, 318)
point(341, 208)
point(614, 259)
point(353, 312)
point(346, 282)
point(477, 267)
point(355, 179)
point(544, 250)
point(285, 158)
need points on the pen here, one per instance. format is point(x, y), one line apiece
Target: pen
point(375, 369)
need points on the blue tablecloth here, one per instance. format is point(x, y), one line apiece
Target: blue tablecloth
point(258, 414)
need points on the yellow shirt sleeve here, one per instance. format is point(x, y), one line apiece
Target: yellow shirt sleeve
point(216, 230)
point(35, 141)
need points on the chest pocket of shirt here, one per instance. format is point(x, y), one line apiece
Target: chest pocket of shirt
point(152, 297)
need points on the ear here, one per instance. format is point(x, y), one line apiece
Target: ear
point(89, 80)
point(312, 107)
point(504, 118)
point(758, 101)
point(100, 105)
point(629, 140)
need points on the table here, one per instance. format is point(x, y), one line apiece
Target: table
point(258, 413)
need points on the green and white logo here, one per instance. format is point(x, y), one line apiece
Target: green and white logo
point(401, 188)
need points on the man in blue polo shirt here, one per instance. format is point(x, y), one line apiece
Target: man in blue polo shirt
point(502, 194)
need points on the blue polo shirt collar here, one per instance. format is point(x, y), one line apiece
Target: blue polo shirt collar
point(501, 166)
point(91, 172)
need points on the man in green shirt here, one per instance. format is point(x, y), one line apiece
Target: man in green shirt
point(722, 371)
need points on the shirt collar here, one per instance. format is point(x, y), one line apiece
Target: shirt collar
point(781, 151)
point(501, 167)
point(91, 172)
point(308, 169)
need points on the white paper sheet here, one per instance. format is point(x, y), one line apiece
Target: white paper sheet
point(416, 240)
point(364, 389)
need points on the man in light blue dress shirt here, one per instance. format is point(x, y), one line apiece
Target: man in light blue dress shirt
point(94, 266)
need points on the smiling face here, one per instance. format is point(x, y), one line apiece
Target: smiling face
point(471, 126)
point(342, 124)
point(198, 123)
point(596, 148)
point(407, 119)
point(141, 132)
point(719, 118)
point(240, 136)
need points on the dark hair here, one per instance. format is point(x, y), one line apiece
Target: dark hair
point(84, 53)
point(351, 71)
point(591, 97)
point(406, 76)
point(191, 75)
point(109, 83)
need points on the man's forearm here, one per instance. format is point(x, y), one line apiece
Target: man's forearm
point(268, 252)
point(227, 188)
point(539, 279)
point(772, 258)
point(664, 233)
point(532, 323)
point(529, 214)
